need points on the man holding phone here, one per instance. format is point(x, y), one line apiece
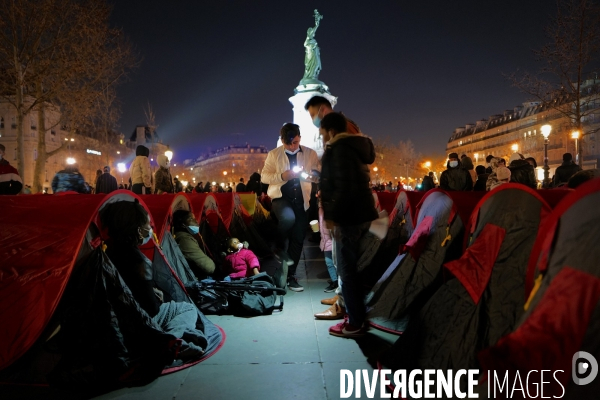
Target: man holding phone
point(290, 194)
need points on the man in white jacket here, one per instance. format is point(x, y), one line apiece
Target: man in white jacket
point(290, 193)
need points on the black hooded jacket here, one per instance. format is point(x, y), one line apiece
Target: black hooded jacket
point(566, 170)
point(456, 178)
point(346, 194)
point(522, 172)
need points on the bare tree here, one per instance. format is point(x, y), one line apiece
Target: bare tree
point(151, 124)
point(397, 159)
point(61, 54)
point(567, 82)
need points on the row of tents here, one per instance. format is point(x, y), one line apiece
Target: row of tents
point(507, 280)
point(68, 316)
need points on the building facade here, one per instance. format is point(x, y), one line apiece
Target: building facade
point(519, 130)
point(90, 154)
point(227, 165)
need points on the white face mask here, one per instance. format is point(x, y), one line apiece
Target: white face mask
point(292, 152)
point(147, 239)
point(240, 246)
point(453, 164)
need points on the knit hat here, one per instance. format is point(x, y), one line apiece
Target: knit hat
point(453, 155)
point(502, 173)
point(514, 157)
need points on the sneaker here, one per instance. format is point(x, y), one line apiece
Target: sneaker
point(294, 285)
point(344, 329)
point(331, 288)
point(281, 256)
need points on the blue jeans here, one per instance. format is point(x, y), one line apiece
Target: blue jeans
point(346, 252)
point(292, 223)
point(330, 266)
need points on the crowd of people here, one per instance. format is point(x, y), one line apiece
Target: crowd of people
point(336, 188)
point(462, 175)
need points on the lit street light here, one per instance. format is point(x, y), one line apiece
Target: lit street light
point(169, 154)
point(70, 160)
point(575, 135)
point(121, 168)
point(514, 148)
point(546, 132)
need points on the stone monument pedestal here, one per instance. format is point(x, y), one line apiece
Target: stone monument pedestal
point(309, 132)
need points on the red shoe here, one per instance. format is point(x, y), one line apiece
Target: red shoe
point(344, 329)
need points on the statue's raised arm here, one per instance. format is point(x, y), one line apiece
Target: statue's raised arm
point(312, 59)
point(318, 18)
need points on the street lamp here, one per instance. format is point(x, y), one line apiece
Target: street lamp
point(375, 169)
point(546, 132)
point(70, 160)
point(427, 165)
point(514, 148)
point(476, 155)
point(575, 135)
point(121, 168)
point(169, 154)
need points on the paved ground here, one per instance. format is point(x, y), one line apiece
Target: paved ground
point(286, 356)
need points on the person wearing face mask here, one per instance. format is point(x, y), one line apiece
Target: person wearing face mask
point(10, 181)
point(318, 107)
point(290, 195)
point(455, 177)
point(128, 226)
point(186, 230)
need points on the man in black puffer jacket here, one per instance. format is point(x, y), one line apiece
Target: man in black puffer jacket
point(566, 170)
point(455, 177)
point(349, 207)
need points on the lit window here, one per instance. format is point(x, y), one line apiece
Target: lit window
point(35, 154)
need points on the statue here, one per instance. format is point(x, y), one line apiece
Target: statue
point(312, 59)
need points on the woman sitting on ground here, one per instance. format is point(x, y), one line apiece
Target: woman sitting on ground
point(186, 230)
point(128, 226)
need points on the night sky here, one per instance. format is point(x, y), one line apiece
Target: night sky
point(221, 72)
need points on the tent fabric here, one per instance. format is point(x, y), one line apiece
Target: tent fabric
point(242, 227)
point(485, 299)
point(162, 208)
point(409, 281)
point(33, 274)
point(564, 313)
point(226, 205)
point(400, 228)
point(248, 201)
point(387, 200)
point(49, 288)
point(176, 259)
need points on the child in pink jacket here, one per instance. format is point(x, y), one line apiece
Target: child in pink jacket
point(239, 262)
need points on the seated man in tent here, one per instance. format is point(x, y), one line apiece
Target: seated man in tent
point(129, 226)
point(186, 231)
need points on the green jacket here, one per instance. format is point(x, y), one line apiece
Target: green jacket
point(200, 263)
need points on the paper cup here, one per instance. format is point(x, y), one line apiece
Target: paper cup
point(314, 225)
